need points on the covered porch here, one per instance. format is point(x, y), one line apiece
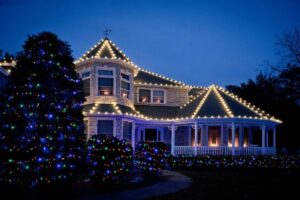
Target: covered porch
point(212, 137)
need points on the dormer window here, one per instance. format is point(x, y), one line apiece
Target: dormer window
point(154, 96)
point(106, 81)
point(158, 96)
point(144, 96)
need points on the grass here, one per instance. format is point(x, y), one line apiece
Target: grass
point(240, 184)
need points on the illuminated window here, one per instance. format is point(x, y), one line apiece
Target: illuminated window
point(144, 96)
point(125, 85)
point(106, 81)
point(106, 86)
point(154, 96)
point(158, 96)
point(125, 89)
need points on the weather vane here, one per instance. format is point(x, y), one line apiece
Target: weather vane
point(106, 32)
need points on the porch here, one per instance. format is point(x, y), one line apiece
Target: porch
point(209, 138)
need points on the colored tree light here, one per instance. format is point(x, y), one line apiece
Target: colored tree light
point(41, 119)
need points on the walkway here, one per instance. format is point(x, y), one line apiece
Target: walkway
point(171, 182)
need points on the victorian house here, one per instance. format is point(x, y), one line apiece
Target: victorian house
point(134, 104)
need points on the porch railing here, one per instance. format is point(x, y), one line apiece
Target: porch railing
point(222, 150)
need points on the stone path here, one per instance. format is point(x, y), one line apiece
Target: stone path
point(171, 182)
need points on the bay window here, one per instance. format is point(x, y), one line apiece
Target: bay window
point(105, 82)
point(105, 127)
point(85, 76)
point(125, 85)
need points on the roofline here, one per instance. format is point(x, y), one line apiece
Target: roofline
point(211, 120)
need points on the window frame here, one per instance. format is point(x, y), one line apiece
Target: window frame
point(151, 95)
point(87, 77)
point(107, 118)
point(129, 81)
point(106, 76)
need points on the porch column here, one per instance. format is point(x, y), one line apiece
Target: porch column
point(222, 136)
point(202, 135)
point(233, 138)
point(172, 138)
point(133, 136)
point(274, 140)
point(263, 138)
point(250, 136)
point(196, 137)
point(267, 137)
point(241, 135)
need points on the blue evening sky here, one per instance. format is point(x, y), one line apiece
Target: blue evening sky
point(198, 42)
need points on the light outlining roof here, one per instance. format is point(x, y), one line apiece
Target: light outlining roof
point(105, 48)
point(200, 105)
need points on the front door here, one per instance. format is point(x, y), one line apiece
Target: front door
point(150, 134)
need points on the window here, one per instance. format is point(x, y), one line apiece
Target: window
point(106, 86)
point(151, 96)
point(125, 85)
point(125, 76)
point(105, 72)
point(158, 96)
point(125, 89)
point(105, 127)
point(127, 130)
point(145, 96)
point(86, 83)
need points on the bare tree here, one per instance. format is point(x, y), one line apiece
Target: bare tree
point(289, 47)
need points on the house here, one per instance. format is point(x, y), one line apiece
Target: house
point(134, 104)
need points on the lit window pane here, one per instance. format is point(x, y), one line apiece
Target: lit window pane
point(144, 96)
point(105, 86)
point(158, 96)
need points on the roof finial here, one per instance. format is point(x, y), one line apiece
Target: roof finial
point(106, 32)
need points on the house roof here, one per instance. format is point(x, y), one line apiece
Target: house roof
point(213, 101)
point(203, 102)
point(105, 49)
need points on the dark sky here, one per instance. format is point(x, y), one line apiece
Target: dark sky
point(198, 42)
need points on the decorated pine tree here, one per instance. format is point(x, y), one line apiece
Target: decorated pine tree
point(41, 131)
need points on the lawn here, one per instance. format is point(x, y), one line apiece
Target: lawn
point(240, 184)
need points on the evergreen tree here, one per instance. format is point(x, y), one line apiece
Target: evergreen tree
point(41, 131)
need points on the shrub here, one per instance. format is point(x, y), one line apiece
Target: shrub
point(108, 159)
point(225, 162)
point(151, 157)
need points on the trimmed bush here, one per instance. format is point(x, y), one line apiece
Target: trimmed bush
point(226, 162)
point(150, 157)
point(108, 159)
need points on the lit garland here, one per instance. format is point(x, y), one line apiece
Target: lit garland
point(150, 157)
point(108, 159)
point(213, 162)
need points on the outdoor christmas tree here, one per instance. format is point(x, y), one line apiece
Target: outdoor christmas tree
point(41, 131)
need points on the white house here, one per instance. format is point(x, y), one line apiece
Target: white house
point(131, 103)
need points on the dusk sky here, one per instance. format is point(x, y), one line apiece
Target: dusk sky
point(197, 42)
